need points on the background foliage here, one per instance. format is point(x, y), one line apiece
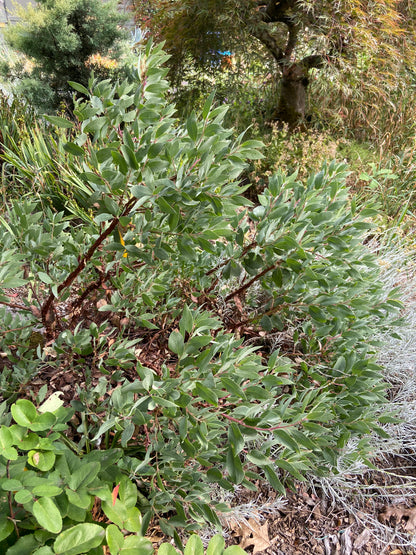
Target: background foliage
point(59, 40)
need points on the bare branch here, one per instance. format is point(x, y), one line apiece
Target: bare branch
point(262, 34)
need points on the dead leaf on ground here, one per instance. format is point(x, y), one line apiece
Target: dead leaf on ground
point(362, 539)
point(399, 513)
point(254, 534)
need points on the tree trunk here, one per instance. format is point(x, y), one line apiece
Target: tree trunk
point(291, 108)
point(292, 104)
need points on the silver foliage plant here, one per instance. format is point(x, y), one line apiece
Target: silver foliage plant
point(364, 490)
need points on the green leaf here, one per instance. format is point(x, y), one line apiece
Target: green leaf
point(234, 466)
point(232, 387)
point(285, 439)
point(59, 122)
point(252, 143)
point(129, 157)
point(216, 545)
point(176, 343)
point(186, 322)
point(24, 546)
point(140, 191)
point(47, 514)
point(167, 549)
point(234, 550)
point(24, 412)
point(111, 206)
point(206, 394)
point(120, 162)
point(165, 206)
point(192, 127)
point(127, 433)
point(74, 149)
point(115, 539)
point(135, 545)
point(6, 528)
point(80, 499)
point(11, 484)
point(258, 458)
point(45, 550)
point(84, 475)
point(235, 438)
point(273, 480)
point(79, 539)
point(9, 453)
point(23, 496)
point(95, 125)
point(46, 490)
point(6, 438)
point(116, 513)
point(78, 87)
point(43, 422)
point(194, 546)
point(127, 492)
point(207, 105)
point(45, 278)
point(43, 460)
point(284, 465)
point(133, 520)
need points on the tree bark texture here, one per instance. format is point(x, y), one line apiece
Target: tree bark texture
point(292, 101)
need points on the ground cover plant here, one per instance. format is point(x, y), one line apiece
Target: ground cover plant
point(208, 341)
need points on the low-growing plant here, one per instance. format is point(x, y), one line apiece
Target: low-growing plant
point(194, 546)
point(47, 492)
point(16, 120)
point(291, 151)
point(255, 361)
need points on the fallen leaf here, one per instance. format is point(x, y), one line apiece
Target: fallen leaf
point(346, 542)
point(362, 539)
point(238, 304)
point(399, 513)
point(254, 534)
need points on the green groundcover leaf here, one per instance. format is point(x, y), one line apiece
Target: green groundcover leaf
point(47, 514)
point(79, 539)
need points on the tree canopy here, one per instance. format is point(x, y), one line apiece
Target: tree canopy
point(349, 38)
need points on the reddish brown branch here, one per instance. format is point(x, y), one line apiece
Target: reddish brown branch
point(47, 306)
point(247, 285)
point(258, 428)
point(224, 262)
point(16, 306)
point(89, 289)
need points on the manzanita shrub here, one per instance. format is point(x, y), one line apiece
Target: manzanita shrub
point(263, 315)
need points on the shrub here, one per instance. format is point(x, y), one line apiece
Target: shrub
point(291, 151)
point(59, 39)
point(262, 316)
